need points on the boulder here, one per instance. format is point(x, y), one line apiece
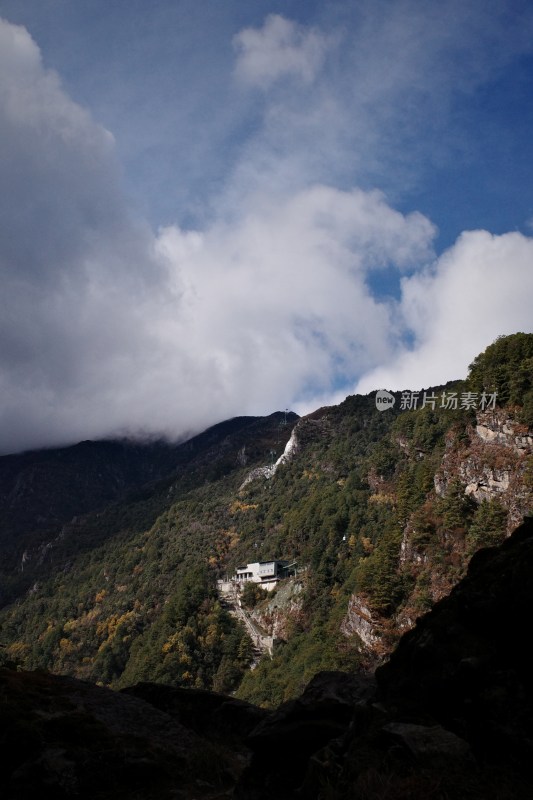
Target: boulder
point(432, 745)
point(284, 741)
point(64, 738)
point(208, 714)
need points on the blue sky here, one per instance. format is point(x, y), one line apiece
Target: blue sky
point(226, 207)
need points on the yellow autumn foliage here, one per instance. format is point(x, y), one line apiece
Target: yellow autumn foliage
point(239, 505)
point(18, 651)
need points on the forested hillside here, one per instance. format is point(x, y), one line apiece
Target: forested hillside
point(381, 510)
point(45, 494)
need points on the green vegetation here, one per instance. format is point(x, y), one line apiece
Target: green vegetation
point(488, 525)
point(252, 594)
point(130, 593)
point(456, 509)
point(141, 606)
point(507, 367)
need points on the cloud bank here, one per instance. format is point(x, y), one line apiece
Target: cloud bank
point(107, 328)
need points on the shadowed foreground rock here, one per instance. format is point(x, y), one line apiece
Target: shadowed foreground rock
point(451, 719)
point(64, 738)
point(283, 743)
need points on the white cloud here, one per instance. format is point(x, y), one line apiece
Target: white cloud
point(279, 299)
point(105, 328)
point(76, 269)
point(279, 49)
point(479, 289)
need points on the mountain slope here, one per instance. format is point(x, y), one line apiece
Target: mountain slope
point(116, 585)
point(380, 510)
point(449, 717)
point(43, 493)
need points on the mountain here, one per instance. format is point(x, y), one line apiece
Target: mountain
point(44, 492)
point(449, 716)
point(380, 511)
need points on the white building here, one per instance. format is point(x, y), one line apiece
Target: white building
point(266, 573)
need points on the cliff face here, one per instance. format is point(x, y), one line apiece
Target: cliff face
point(490, 467)
point(278, 615)
point(362, 622)
point(493, 465)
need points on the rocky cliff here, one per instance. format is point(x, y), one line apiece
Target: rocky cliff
point(486, 468)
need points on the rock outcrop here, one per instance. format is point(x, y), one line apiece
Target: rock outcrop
point(291, 448)
point(453, 710)
point(64, 738)
point(278, 615)
point(491, 466)
point(360, 620)
point(284, 742)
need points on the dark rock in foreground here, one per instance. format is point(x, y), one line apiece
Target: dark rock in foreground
point(283, 743)
point(208, 714)
point(64, 738)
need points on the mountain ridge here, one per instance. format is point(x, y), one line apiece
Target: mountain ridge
point(42, 491)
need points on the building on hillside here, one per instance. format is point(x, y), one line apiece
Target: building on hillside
point(265, 573)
